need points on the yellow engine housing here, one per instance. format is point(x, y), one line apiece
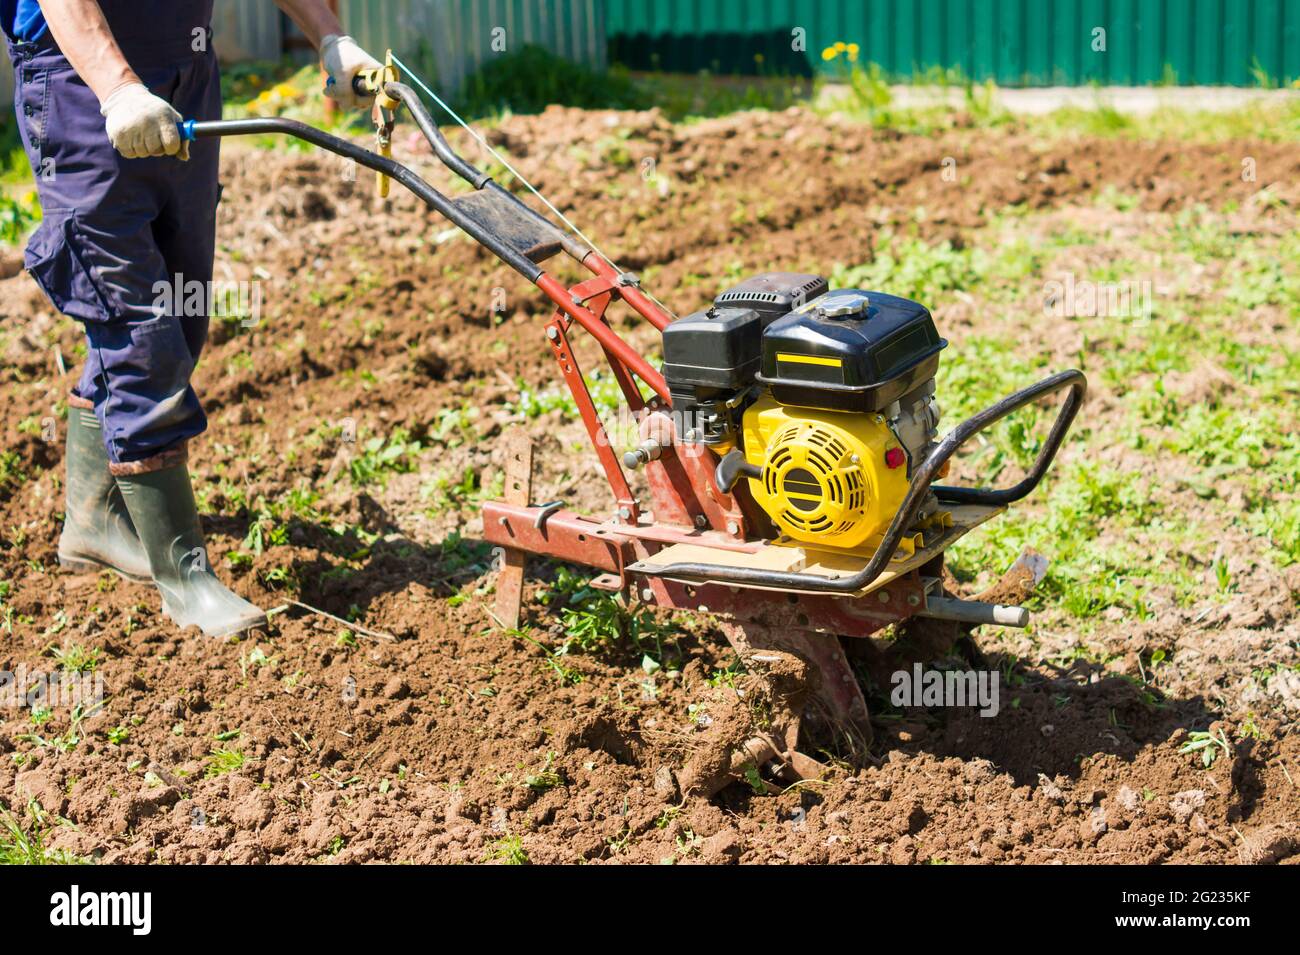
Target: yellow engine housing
point(825, 480)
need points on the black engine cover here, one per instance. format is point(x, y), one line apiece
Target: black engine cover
point(718, 348)
point(773, 294)
point(850, 350)
point(712, 358)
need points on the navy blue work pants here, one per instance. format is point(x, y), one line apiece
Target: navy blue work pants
point(118, 234)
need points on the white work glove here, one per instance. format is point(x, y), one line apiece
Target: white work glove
point(140, 124)
point(343, 60)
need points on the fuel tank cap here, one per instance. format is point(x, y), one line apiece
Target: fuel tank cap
point(839, 305)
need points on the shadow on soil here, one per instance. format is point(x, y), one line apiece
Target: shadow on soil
point(1047, 722)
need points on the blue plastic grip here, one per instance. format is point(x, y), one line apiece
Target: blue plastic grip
point(186, 128)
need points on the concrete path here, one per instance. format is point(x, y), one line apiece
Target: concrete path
point(1134, 100)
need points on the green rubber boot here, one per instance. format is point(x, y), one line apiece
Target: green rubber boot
point(162, 506)
point(97, 530)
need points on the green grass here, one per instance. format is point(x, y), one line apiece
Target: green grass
point(595, 620)
point(13, 159)
point(64, 742)
point(1122, 538)
point(1209, 745)
point(688, 98)
point(20, 211)
point(914, 269)
point(381, 456)
point(76, 658)
point(546, 777)
point(223, 760)
point(11, 470)
point(592, 618)
point(1276, 121)
point(18, 217)
point(604, 389)
point(22, 842)
point(532, 78)
point(469, 489)
point(508, 850)
point(861, 91)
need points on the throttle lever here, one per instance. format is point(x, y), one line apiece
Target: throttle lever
point(374, 82)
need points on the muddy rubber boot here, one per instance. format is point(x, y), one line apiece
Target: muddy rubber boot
point(97, 530)
point(162, 506)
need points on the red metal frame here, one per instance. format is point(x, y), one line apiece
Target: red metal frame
point(609, 547)
point(682, 487)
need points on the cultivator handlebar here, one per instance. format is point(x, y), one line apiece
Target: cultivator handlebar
point(445, 205)
point(492, 216)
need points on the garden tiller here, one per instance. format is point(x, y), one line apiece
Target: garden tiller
point(789, 445)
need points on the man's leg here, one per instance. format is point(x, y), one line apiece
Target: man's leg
point(98, 258)
point(158, 491)
point(97, 529)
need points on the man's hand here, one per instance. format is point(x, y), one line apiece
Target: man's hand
point(343, 60)
point(339, 54)
point(140, 124)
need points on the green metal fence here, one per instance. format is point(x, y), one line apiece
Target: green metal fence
point(446, 39)
point(449, 39)
point(1012, 42)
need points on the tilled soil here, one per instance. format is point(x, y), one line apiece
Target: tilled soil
point(455, 742)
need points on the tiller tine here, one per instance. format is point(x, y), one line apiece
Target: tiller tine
point(831, 697)
point(1015, 586)
point(761, 747)
point(812, 683)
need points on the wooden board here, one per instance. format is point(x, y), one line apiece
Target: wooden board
point(512, 561)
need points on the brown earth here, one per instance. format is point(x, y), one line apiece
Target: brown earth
point(422, 748)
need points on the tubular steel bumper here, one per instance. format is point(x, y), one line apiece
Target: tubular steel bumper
point(916, 492)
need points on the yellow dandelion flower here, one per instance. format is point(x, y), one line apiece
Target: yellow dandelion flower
point(853, 49)
point(829, 53)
